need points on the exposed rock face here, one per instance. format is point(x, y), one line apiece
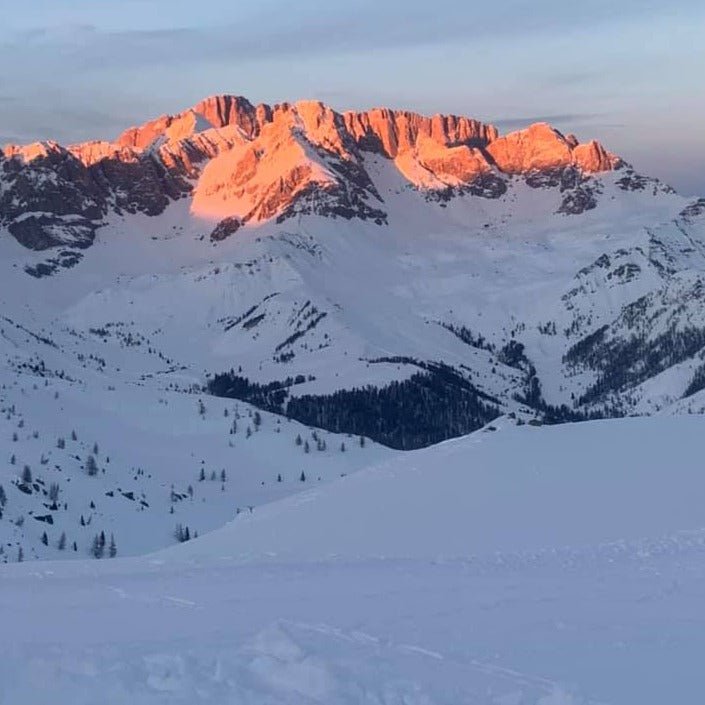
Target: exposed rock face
point(243, 163)
point(303, 161)
point(390, 132)
point(226, 228)
point(694, 210)
point(540, 147)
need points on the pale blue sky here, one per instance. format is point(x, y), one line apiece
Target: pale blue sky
point(629, 72)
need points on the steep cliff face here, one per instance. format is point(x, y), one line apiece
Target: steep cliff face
point(540, 148)
point(390, 132)
point(302, 161)
point(253, 163)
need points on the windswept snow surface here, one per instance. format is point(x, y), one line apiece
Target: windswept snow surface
point(521, 566)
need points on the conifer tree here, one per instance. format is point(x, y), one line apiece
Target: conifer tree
point(91, 466)
point(97, 548)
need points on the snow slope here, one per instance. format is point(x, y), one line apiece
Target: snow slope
point(516, 489)
point(504, 568)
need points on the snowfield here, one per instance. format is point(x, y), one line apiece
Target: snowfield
point(525, 565)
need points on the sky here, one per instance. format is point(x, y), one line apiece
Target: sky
point(630, 73)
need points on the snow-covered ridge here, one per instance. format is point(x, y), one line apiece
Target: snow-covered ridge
point(238, 161)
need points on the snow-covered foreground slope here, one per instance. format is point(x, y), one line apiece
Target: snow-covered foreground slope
point(541, 566)
point(516, 489)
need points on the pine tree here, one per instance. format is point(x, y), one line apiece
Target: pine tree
point(95, 449)
point(202, 475)
point(62, 541)
point(213, 476)
point(83, 521)
point(45, 539)
point(74, 437)
point(20, 555)
point(91, 466)
point(257, 419)
point(362, 441)
point(279, 477)
point(26, 475)
point(222, 475)
point(3, 496)
point(302, 478)
point(342, 447)
point(298, 439)
point(13, 460)
point(60, 443)
point(306, 447)
point(54, 492)
point(97, 548)
point(112, 551)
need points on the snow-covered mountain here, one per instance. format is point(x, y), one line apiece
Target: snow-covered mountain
point(376, 274)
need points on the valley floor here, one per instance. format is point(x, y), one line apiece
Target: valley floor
point(610, 611)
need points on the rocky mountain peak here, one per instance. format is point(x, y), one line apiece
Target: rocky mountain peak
point(249, 163)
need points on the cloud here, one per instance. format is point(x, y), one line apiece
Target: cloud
point(369, 26)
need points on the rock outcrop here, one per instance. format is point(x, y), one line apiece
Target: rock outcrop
point(540, 147)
